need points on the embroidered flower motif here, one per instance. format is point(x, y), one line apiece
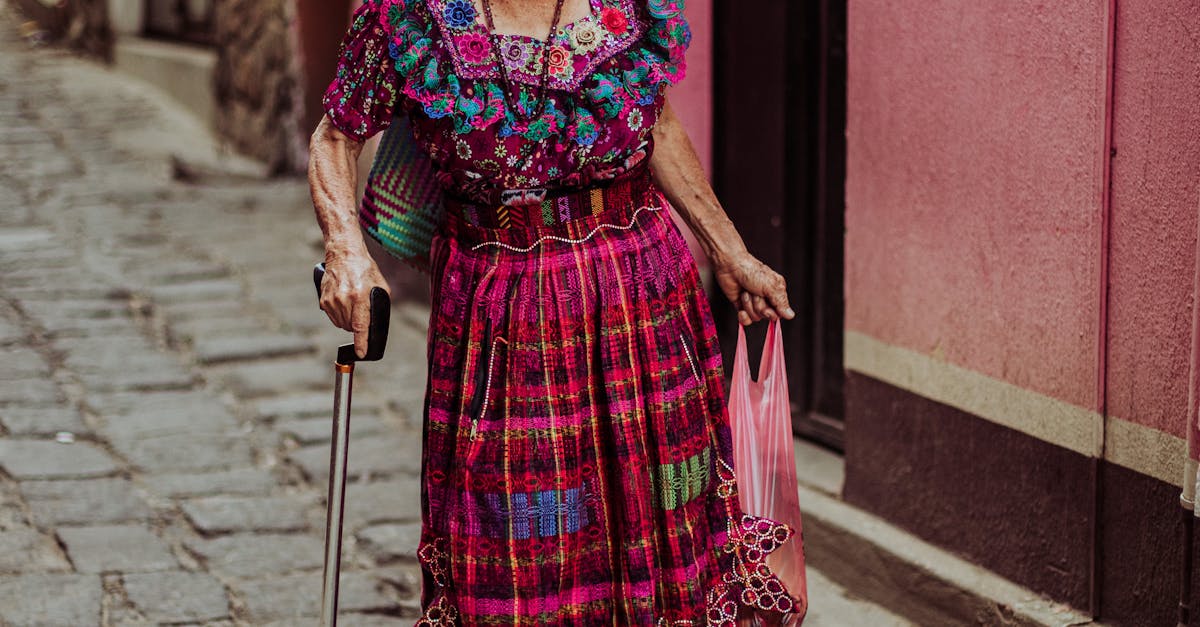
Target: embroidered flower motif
point(475, 47)
point(586, 37)
point(614, 20)
point(559, 59)
point(663, 9)
point(515, 53)
point(635, 120)
point(463, 150)
point(459, 13)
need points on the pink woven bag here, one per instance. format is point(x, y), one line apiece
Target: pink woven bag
point(765, 459)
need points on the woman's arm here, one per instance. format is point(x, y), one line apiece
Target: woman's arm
point(757, 291)
point(350, 272)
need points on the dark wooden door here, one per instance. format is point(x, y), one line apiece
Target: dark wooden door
point(780, 172)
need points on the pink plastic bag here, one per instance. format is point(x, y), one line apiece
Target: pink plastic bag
point(765, 458)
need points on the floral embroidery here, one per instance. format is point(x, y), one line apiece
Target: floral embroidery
point(587, 37)
point(614, 20)
point(459, 13)
point(515, 53)
point(475, 48)
point(559, 59)
point(635, 120)
point(607, 75)
point(663, 9)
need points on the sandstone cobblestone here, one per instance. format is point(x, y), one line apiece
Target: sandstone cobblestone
point(298, 597)
point(177, 597)
point(316, 430)
point(37, 459)
point(308, 406)
point(201, 414)
point(212, 350)
point(185, 452)
point(225, 514)
point(41, 421)
point(269, 378)
point(382, 502)
point(30, 392)
point(232, 482)
point(256, 556)
point(67, 502)
point(116, 548)
point(391, 542)
point(383, 455)
point(28, 551)
point(50, 600)
point(215, 290)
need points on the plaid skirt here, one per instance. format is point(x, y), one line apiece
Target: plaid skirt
point(577, 466)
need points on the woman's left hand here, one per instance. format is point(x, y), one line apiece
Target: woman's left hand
point(758, 292)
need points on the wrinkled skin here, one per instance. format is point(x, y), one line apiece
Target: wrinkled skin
point(758, 292)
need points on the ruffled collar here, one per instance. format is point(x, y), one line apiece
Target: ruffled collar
point(605, 83)
point(576, 49)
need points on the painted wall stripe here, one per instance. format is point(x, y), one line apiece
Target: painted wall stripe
point(1131, 445)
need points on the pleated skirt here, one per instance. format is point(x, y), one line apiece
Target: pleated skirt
point(577, 466)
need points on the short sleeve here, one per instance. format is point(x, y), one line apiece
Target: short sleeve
point(669, 36)
point(362, 97)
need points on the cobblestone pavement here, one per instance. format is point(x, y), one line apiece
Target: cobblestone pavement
point(165, 379)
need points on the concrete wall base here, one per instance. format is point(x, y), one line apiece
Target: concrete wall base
point(906, 575)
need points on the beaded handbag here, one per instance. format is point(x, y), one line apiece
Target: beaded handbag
point(402, 206)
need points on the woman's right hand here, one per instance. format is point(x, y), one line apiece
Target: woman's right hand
point(346, 293)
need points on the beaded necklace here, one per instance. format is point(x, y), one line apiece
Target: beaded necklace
point(544, 80)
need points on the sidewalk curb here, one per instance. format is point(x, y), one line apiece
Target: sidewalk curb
point(913, 578)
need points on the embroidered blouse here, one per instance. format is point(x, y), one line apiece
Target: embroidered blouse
point(434, 61)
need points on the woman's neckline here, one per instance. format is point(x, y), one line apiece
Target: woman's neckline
point(593, 13)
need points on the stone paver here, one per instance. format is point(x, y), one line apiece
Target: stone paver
point(41, 421)
point(383, 501)
point(260, 555)
point(67, 502)
point(311, 405)
point(185, 452)
point(219, 349)
point(50, 600)
point(177, 597)
point(40, 459)
point(116, 548)
point(240, 481)
point(267, 378)
point(307, 431)
point(30, 392)
point(26, 550)
point(226, 514)
point(299, 596)
point(374, 455)
point(391, 542)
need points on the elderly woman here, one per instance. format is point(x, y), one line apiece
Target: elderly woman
point(577, 465)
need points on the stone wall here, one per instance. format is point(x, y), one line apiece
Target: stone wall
point(81, 24)
point(258, 93)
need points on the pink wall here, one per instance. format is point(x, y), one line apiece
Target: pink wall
point(974, 185)
point(1156, 196)
point(693, 98)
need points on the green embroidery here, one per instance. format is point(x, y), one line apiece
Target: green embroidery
point(678, 483)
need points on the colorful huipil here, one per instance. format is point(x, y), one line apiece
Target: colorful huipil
point(577, 465)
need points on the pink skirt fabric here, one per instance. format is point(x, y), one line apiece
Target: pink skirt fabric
point(577, 463)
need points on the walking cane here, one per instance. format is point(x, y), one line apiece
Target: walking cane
point(339, 450)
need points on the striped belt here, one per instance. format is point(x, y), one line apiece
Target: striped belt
point(533, 208)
